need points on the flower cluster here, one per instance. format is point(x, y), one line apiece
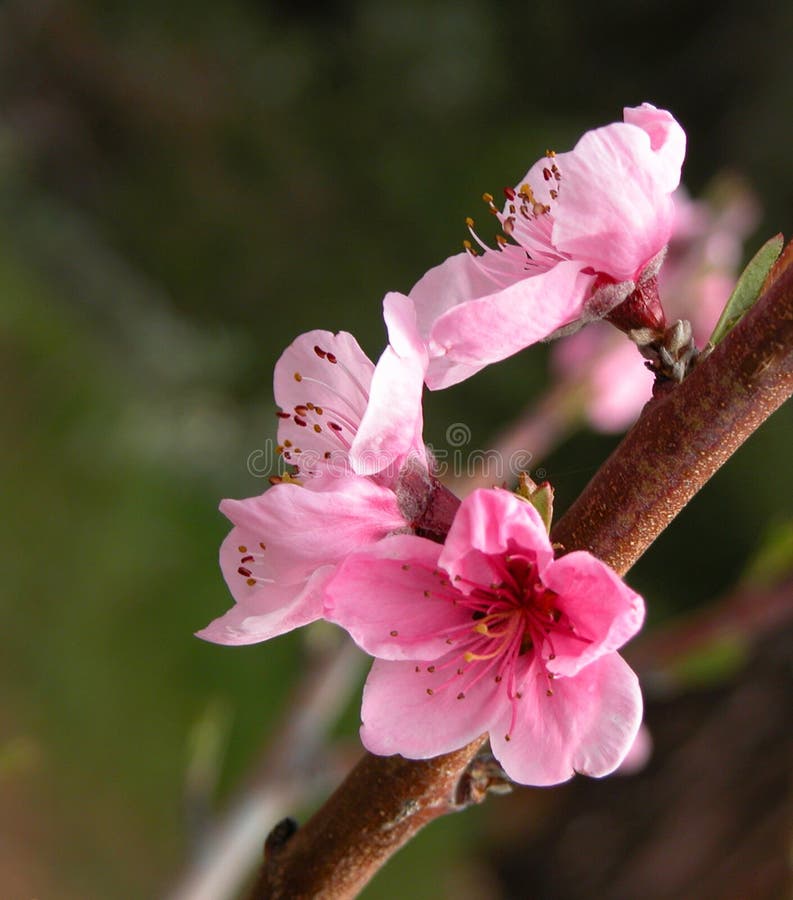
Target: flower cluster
point(476, 621)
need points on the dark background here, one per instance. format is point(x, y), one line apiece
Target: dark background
point(183, 190)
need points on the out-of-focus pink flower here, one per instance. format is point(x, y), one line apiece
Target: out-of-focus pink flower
point(639, 755)
point(352, 430)
point(582, 230)
point(490, 633)
point(695, 281)
point(614, 380)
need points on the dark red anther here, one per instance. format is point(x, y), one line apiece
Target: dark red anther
point(243, 571)
point(283, 415)
point(334, 426)
point(298, 421)
point(301, 410)
point(246, 559)
point(546, 174)
point(509, 193)
point(320, 352)
point(331, 358)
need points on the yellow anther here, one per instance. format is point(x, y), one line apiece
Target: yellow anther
point(526, 191)
point(488, 198)
point(469, 221)
point(468, 246)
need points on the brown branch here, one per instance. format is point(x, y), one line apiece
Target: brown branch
point(681, 440)
point(381, 805)
point(686, 435)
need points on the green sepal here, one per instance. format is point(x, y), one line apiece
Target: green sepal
point(747, 289)
point(539, 495)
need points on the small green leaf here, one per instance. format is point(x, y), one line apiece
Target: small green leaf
point(539, 495)
point(747, 289)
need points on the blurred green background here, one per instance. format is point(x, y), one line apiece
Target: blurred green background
point(183, 189)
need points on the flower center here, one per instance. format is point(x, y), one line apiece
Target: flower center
point(527, 222)
point(514, 623)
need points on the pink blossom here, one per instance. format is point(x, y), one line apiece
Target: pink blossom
point(353, 431)
point(582, 230)
point(490, 633)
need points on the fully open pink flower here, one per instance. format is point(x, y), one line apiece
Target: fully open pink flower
point(490, 633)
point(583, 229)
point(352, 430)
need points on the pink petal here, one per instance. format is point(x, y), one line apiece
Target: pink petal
point(391, 603)
point(493, 327)
point(399, 716)
point(588, 725)
point(401, 319)
point(603, 609)
point(667, 140)
point(303, 529)
point(615, 212)
point(443, 372)
point(340, 389)
point(391, 427)
point(488, 524)
point(454, 281)
point(269, 611)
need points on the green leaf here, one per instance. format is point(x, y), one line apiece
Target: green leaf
point(747, 289)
